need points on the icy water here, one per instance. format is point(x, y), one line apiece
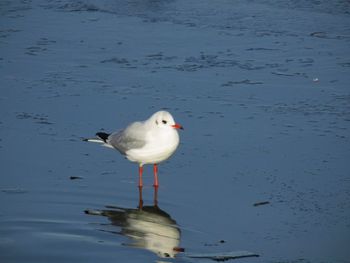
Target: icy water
point(261, 87)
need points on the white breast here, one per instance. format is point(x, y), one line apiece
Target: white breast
point(159, 147)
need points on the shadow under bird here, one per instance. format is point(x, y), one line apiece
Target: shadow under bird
point(148, 227)
point(145, 142)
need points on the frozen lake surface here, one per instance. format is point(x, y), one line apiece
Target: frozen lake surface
point(261, 87)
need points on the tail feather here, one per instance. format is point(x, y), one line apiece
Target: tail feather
point(101, 138)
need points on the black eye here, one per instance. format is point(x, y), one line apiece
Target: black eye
point(156, 122)
point(164, 121)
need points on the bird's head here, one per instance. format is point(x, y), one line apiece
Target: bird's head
point(164, 119)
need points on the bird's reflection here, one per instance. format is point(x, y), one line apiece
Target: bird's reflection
point(149, 227)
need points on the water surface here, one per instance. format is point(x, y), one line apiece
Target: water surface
point(261, 88)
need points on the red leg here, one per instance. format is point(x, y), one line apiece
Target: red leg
point(140, 176)
point(140, 198)
point(155, 171)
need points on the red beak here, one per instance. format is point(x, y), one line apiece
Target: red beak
point(177, 126)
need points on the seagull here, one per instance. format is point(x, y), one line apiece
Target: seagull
point(145, 142)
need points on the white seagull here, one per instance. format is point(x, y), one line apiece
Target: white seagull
point(145, 142)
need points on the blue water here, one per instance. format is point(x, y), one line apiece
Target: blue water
point(261, 88)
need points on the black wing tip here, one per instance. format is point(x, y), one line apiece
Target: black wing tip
point(103, 136)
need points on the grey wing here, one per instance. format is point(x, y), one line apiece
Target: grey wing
point(132, 137)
